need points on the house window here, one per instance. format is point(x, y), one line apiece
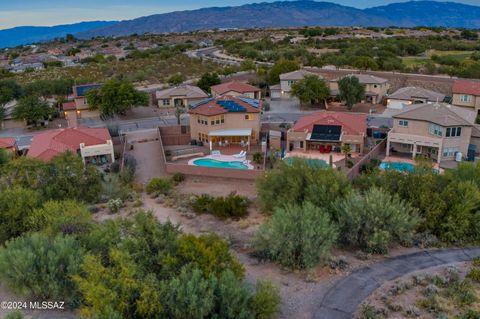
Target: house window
point(450, 151)
point(203, 137)
point(435, 130)
point(217, 120)
point(403, 123)
point(290, 83)
point(453, 132)
point(466, 98)
point(166, 102)
point(249, 117)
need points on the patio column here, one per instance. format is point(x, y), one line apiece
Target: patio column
point(414, 153)
point(248, 143)
point(439, 155)
point(388, 147)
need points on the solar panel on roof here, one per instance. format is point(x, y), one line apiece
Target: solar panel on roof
point(231, 106)
point(326, 133)
point(251, 102)
point(201, 103)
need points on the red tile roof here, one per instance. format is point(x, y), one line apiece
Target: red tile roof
point(212, 107)
point(47, 145)
point(352, 124)
point(466, 87)
point(234, 86)
point(69, 106)
point(7, 142)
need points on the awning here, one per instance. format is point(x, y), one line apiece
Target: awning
point(239, 132)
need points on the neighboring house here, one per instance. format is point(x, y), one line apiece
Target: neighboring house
point(9, 144)
point(236, 88)
point(226, 119)
point(376, 88)
point(9, 122)
point(94, 145)
point(328, 131)
point(412, 95)
point(287, 80)
point(466, 93)
point(437, 131)
point(71, 113)
point(81, 103)
point(183, 95)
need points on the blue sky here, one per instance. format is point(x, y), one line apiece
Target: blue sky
point(54, 12)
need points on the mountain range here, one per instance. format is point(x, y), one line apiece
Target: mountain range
point(26, 35)
point(274, 14)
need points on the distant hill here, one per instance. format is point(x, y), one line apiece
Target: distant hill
point(299, 13)
point(26, 35)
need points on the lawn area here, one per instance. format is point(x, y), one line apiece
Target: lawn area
point(460, 56)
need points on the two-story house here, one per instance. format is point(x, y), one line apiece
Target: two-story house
point(226, 120)
point(236, 88)
point(328, 131)
point(376, 88)
point(182, 96)
point(437, 131)
point(466, 93)
point(287, 80)
point(9, 144)
point(80, 99)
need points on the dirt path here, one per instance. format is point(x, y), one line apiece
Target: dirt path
point(345, 296)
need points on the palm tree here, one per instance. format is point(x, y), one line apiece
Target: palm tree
point(346, 149)
point(178, 113)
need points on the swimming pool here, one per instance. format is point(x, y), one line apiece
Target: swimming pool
point(398, 166)
point(208, 162)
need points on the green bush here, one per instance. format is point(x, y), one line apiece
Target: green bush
point(266, 301)
point(470, 314)
point(42, 267)
point(462, 292)
point(232, 206)
point(258, 158)
point(14, 315)
point(374, 220)
point(474, 275)
point(177, 178)
point(159, 186)
point(296, 236)
point(298, 183)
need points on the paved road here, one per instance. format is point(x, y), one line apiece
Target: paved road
point(346, 295)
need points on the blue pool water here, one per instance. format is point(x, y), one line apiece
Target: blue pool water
point(208, 162)
point(398, 166)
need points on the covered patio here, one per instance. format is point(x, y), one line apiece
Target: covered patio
point(225, 138)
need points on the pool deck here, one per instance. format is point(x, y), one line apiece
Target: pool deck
point(224, 158)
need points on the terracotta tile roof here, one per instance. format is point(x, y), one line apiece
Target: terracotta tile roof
point(234, 86)
point(69, 106)
point(352, 124)
point(47, 145)
point(466, 87)
point(7, 142)
point(225, 104)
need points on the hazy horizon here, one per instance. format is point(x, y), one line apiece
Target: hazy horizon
point(57, 12)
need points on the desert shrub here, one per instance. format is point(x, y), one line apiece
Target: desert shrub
point(296, 236)
point(369, 312)
point(232, 298)
point(232, 206)
point(14, 315)
point(61, 217)
point(462, 292)
point(42, 267)
point(114, 205)
point(474, 275)
point(374, 220)
point(298, 183)
point(266, 300)
point(177, 178)
point(159, 185)
point(476, 262)
point(258, 158)
point(470, 314)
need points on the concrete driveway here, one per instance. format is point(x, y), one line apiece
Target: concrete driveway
point(346, 295)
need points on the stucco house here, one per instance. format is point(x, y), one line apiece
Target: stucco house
point(466, 93)
point(376, 88)
point(236, 88)
point(94, 145)
point(287, 80)
point(437, 131)
point(328, 131)
point(226, 120)
point(80, 99)
point(182, 95)
point(410, 95)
